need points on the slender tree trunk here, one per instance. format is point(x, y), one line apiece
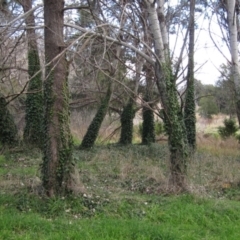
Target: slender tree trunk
point(58, 164)
point(33, 131)
point(233, 35)
point(173, 116)
point(93, 129)
point(189, 108)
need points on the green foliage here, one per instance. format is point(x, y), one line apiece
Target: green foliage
point(148, 133)
point(127, 116)
point(208, 107)
point(93, 129)
point(175, 128)
point(8, 129)
point(58, 165)
point(33, 131)
point(159, 128)
point(190, 115)
point(220, 98)
point(225, 93)
point(229, 129)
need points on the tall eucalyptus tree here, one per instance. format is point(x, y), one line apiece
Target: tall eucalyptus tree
point(227, 13)
point(173, 116)
point(233, 8)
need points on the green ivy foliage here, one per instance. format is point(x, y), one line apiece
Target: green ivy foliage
point(127, 123)
point(229, 129)
point(93, 129)
point(57, 170)
point(8, 129)
point(190, 115)
point(175, 128)
point(33, 131)
point(148, 128)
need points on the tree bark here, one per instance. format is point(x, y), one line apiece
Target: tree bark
point(173, 117)
point(33, 131)
point(189, 108)
point(58, 164)
point(233, 36)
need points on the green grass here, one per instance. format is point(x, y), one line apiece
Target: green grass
point(139, 217)
point(124, 198)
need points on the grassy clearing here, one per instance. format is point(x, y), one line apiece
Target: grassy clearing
point(125, 196)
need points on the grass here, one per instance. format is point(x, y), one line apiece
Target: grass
point(125, 195)
point(157, 217)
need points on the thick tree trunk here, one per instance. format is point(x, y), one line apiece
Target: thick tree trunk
point(233, 35)
point(33, 131)
point(58, 164)
point(189, 108)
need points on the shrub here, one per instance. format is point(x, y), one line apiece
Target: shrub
point(208, 107)
point(229, 129)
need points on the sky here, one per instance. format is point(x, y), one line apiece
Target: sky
point(205, 50)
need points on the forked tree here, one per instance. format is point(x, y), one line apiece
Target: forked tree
point(166, 83)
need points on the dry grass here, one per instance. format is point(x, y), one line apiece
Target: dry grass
point(137, 168)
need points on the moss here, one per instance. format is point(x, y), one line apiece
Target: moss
point(127, 123)
point(8, 129)
point(93, 129)
point(33, 131)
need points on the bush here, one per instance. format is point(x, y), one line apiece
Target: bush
point(229, 129)
point(208, 107)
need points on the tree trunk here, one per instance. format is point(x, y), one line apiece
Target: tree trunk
point(189, 108)
point(173, 117)
point(233, 35)
point(148, 126)
point(127, 123)
point(58, 164)
point(8, 129)
point(93, 129)
point(33, 131)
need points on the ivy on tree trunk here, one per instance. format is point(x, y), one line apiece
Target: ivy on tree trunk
point(148, 126)
point(93, 129)
point(58, 164)
point(127, 116)
point(8, 129)
point(33, 131)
